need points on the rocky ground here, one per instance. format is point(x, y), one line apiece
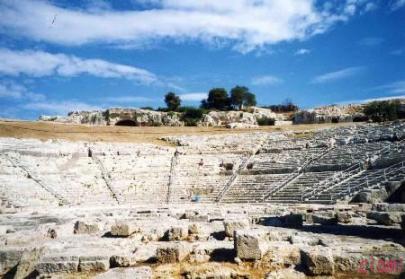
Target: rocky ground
point(204, 241)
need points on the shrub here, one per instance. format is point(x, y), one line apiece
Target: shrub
point(283, 108)
point(360, 118)
point(162, 109)
point(265, 121)
point(380, 111)
point(106, 115)
point(148, 108)
point(286, 106)
point(191, 115)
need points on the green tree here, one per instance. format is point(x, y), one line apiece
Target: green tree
point(172, 101)
point(249, 99)
point(217, 99)
point(238, 94)
point(241, 96)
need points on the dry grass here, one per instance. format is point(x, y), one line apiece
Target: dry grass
point(70, 132)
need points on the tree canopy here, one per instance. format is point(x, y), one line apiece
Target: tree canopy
point(249, 99)
point(217, 99)
point(172, 101)
point(241, 96)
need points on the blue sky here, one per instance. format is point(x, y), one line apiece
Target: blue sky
point(58, 55)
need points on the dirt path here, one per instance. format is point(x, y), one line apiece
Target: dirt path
point(49, 130)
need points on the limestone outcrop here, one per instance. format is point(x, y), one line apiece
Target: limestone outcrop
point(143, 117)
point(239, 119)
point(330, 114)
point(119, 116)
point(78, 117)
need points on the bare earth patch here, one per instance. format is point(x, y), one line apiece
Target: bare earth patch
point(46, 131)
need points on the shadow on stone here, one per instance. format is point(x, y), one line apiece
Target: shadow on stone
point(109, 235)
point(223, 255)
point(11, 273)
point(218, 235)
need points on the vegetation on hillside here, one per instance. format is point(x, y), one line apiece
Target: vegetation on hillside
point(191, 115)
point(379, 111)
point(218, 99)
point(240, 97)
point(286, 106)
point(265, 121)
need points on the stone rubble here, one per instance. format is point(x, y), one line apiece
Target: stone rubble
point(321, 249)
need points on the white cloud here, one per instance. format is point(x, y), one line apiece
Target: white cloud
point(61, 108)
point(370, 7)
point(397, 4)
point(399, 51)
point(193, 96)
point(371, 41)
point(397, 87)
point(39, 64)
point(341, 74)
point(302, 51)
point(12, 90)
point(266, 80)
point(245, 24)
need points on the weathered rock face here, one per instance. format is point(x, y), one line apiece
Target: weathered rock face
point(288, 273)
point(235, 224)
point(318, 261)
point(223, 118)
point(142, 272)
point(27, 263)
point(177, 233)
point(123, 229)
point(329, 114)
point(85, 228)
point(250, 245)
point(172, 252)
point(211, 270)
point(79, 117)
point(385, 218)
point(119, 116)
point(371, 196)
point(59, 263)
point(143, 117)
point(343, 217)
point(238, 119)
point(94, 263)
point(9, 257)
